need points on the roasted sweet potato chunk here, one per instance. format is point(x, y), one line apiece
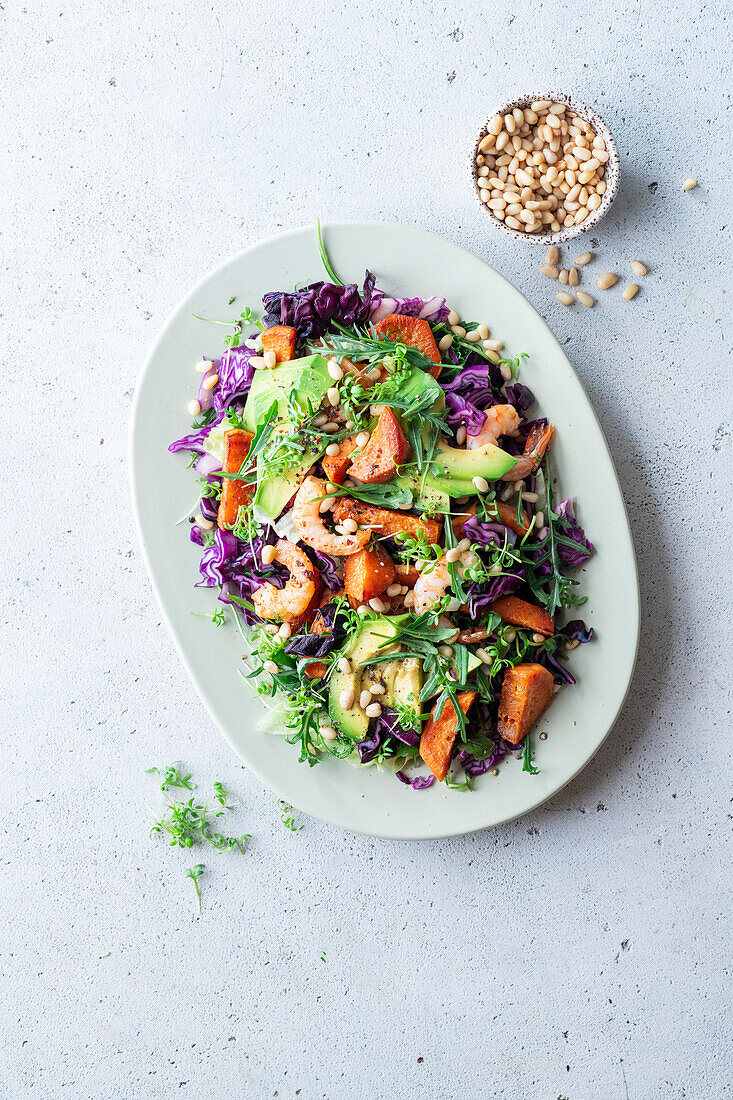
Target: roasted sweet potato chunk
point(281, 340)
point(406, 574)
point(335, 466)
point(385, 452)
point(414, 331)
point(367, 574)
point(234, 493)
point(525, 695)
point(439, 734)
point(383, 520)
point(520, 613)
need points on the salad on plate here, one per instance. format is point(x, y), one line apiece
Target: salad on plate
point(379, 511)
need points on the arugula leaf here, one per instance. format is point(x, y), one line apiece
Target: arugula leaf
point(527, 765)
point(324, 258)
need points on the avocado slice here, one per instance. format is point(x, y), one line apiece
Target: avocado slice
point(402, 678)
point(307, 379)
point(427, 496)
point(457, 467)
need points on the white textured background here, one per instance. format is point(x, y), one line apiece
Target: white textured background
point(579, 953)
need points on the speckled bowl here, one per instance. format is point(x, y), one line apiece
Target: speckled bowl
point(611, 176)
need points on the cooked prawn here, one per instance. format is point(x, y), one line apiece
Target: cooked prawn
point(291, 602)
point(505, 420)
point(429, 587)
point(309, 523)
point(500, 420)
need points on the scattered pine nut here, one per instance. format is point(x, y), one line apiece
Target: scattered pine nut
point(638, 267)
point(573, 276)
point(194, 408)
point(549, 270)
point(552, 257)
point(333, 449)
point(203, 524)
point(689, 184)
point(607, 281)
point(629, 292)
point(268, 555)
point(506, 372)
point(346, 699)
point(584, 299)
point(564, 276)
point(564, 297)
point(481, 484)
point(210, 381)
point(335, 370)
point(583, 259)
point(373, 710)
point(446, 342)
point(333, 395)
point(270, 359)
point(452, 318)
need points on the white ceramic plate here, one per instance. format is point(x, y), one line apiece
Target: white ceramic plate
point(405, 261)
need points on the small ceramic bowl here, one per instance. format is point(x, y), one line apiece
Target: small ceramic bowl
point(611, 174)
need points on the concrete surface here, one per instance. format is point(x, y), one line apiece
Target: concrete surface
point(580, 953)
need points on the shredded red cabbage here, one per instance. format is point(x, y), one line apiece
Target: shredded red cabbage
point(483, 534)
point(573, 556)
point(479, 597)
point(419, 783)
point(463, 411)
point(195, 440)
point(235, 377)
point(311, 310)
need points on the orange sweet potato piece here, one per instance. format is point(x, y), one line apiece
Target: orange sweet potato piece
point(385, 452)
point(520, 613)
point(281, 340)
point(525, 695)
point(406, 574)
point(384, 520)
point(234, 493)
point(414, 331)
point(439, 734)
point(367, 574)
point(335, 466)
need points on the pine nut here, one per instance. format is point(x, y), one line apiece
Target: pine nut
point(376, 689)
point(346, 699)
point(486, 142)
point(506, 372)
point(452, 555)
point(285, 631)
point(320, 420)
point(271, 667)
point(607, 281)
point(550, 272)
point(572, 643)
point(629, 292)
point(688, 185)
point(201, 523)
point(330, 427)
point(333, 449)
point(481, 484)
point(270, 359)
point(492, 345)
point(483, 656)
point(513, 223)
point(495, 125)
point(461, 435)
point(585, 299)
point(540, 516)
point(573, 276)
point(446, 341)
point(362, 439)
point(445, 650)
point(538, 638)
point(194, 408)
point(326, 504)
point(268, 554)
point(452, 318)
point(563, 276)
point(210, 381)
point(257, 362)
point(473, 336)
point(350, 526)
point(564, 297)
point(531, 498)
point(373, 710)
point(638, 267)
point(377, 605)
point(394, 590)
point(335, 370)
point(458, 330)
point(483, 331)
point(365, 699)
point(333, 396)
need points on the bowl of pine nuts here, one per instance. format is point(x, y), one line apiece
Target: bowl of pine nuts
point(545, 168)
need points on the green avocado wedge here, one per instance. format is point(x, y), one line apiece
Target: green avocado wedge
point(303, 381)
point(402, 678)
point(453, 466)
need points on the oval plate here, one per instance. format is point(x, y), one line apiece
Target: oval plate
point(365, 800)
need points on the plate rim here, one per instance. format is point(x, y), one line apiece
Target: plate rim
point(136, 406)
